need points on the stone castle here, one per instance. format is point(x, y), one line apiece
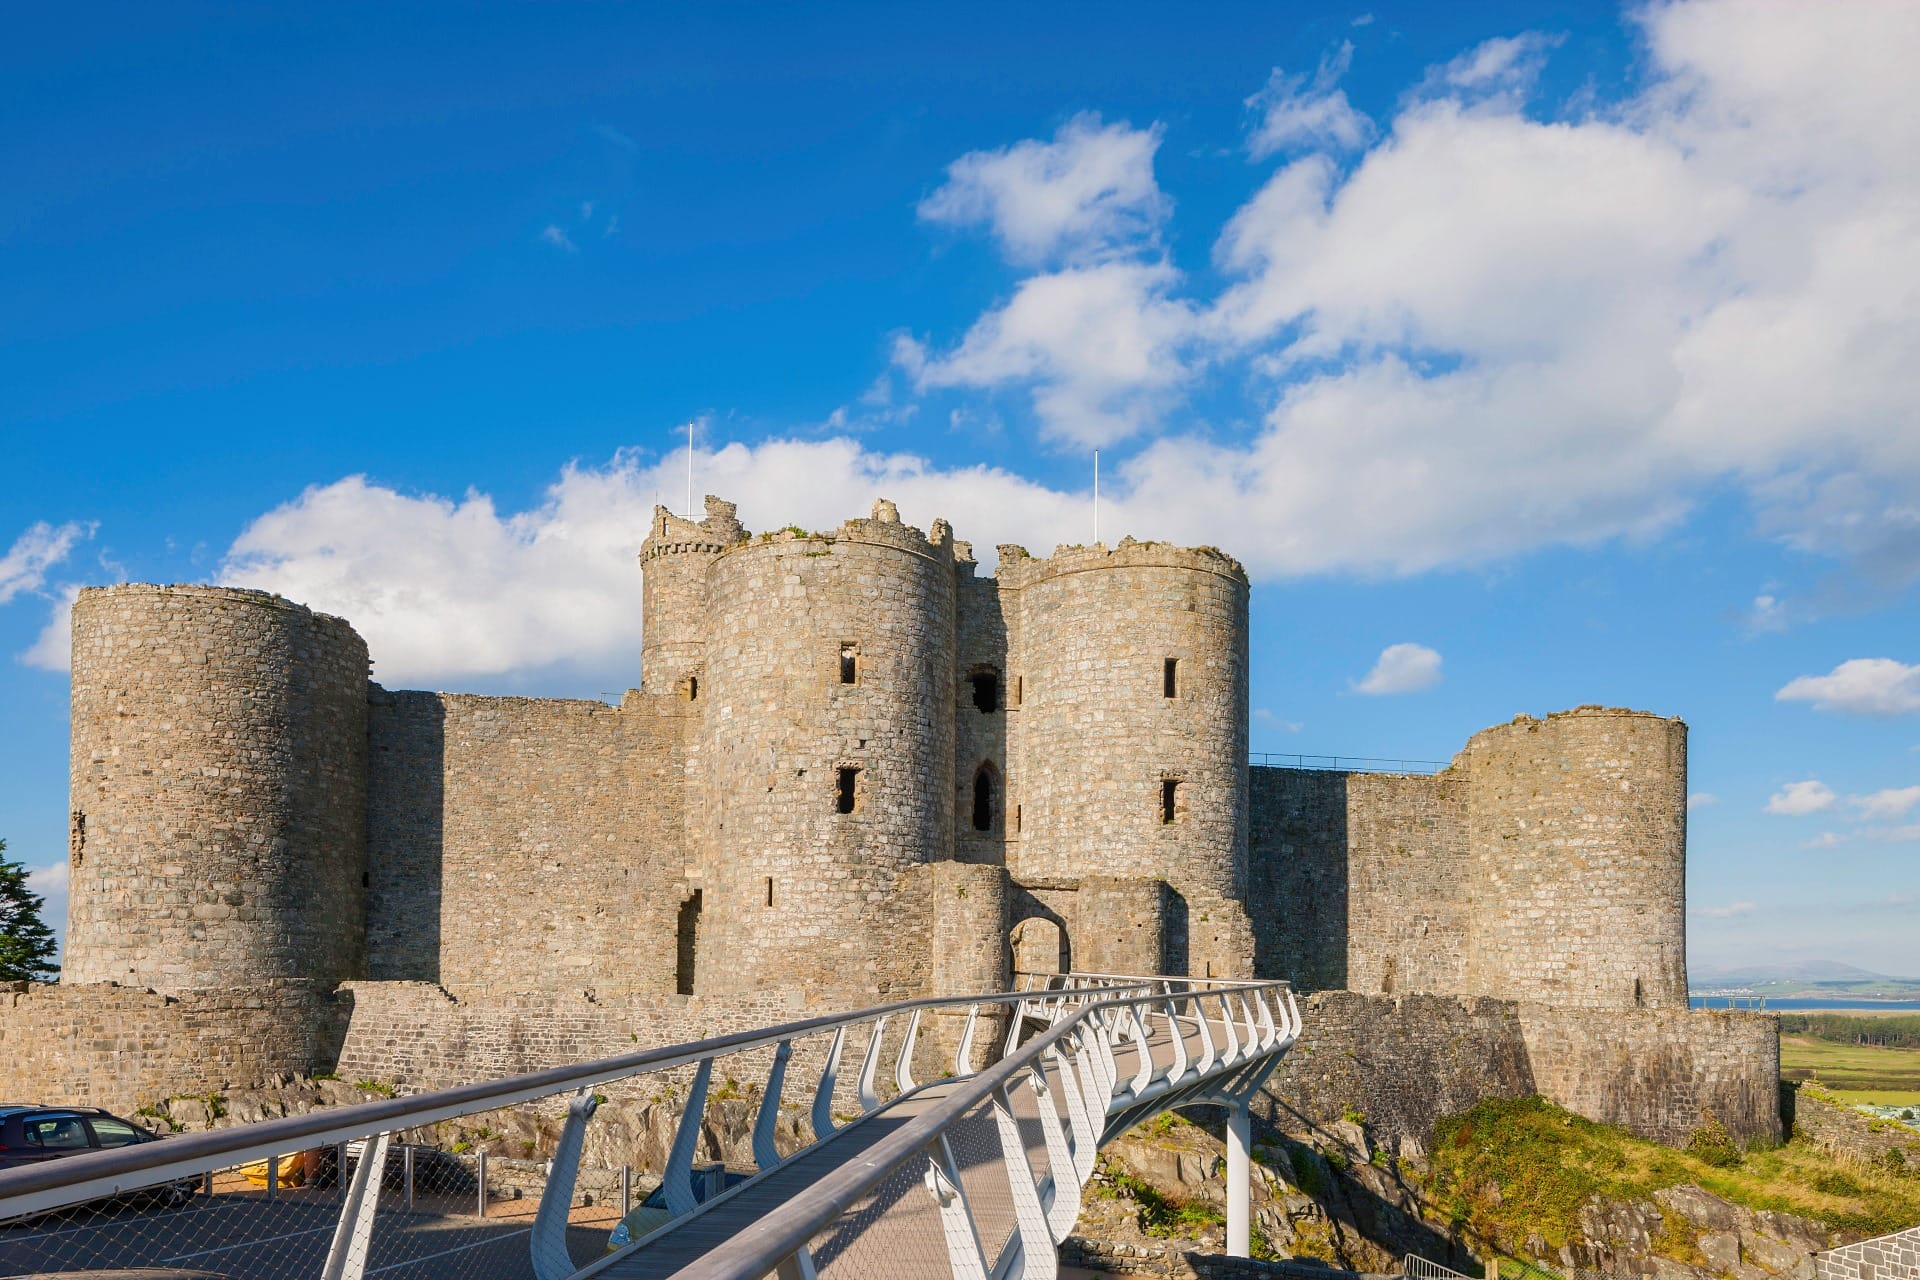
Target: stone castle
point(855, 770)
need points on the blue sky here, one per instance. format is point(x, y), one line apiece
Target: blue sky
point(1529, 355)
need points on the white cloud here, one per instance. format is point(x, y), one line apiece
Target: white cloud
point(558, 238)
point(1701, 799)
point(1825, 840)
point(1507, 65)
point(1725, 913)
point(1298, 111)
point(1489, 332)
point(24, 566)
point(1263, 716)
point(1863, 686)
point(1402, 668)
point(49, 881)
point(1889, 805)
point(1099, 347)
point(444, 589)
point(52, 650)
point(1085, 195)
point(1798, 799)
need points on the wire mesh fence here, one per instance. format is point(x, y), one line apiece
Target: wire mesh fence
point(456, 1200)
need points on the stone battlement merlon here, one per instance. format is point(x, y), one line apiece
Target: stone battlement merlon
point(1019, 569)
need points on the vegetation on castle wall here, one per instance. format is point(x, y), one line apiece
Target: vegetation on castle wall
point(1511, 1168)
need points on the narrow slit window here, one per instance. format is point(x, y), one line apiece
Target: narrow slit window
point(986, 690)
point(849, 663)
point(1019, 689)
point(1169, 799)
point(845, 789)
point(769, 890)
point(693, 688)
point(1170, 678)
point(687, 945)
point(983, 798)
point(1016, 819)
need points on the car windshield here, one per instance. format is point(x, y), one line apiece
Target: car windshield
point(56, 1133)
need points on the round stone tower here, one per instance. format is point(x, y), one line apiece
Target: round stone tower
point(1133, 709)
point(828, 748)
point(219, 783)
point(675, 561)
point(1577, 834)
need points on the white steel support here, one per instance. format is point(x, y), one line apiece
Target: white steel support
point(353, 1234)
point(1239, 1180)
point(548, 1244)
point(1040, 1259)
point(956, 1219)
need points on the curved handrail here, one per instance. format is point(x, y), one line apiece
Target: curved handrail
point(40, 1187)
point(759, 1247)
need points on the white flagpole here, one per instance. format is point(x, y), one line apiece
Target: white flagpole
point(689, 470)
point(1096, 497)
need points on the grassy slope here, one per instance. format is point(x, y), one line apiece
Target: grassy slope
point(1546, 1162)
point(1855, 1072)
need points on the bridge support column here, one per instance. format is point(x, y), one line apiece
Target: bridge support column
point(1239, 1180)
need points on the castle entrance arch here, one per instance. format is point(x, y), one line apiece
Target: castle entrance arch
point(1040, 945)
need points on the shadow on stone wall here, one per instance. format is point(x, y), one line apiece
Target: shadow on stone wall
point(406, 834)
point(1297, 881)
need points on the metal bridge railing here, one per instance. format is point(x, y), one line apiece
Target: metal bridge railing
point(1344, 764)
point(974, 1171)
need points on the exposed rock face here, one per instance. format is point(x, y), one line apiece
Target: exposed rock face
point(1340, 1199)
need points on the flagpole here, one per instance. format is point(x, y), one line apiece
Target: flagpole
point(1096, 497)
point(689, 470)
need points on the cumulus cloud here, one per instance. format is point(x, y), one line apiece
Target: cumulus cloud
point(1862, 686)
point(557, 237)
point(1825, 840)
point(445, 588)
point(1725, 913)
point(1086, 194)
point(1797, 799)
point(1099, 347)
point(1701, 799)
point(1297, 111)
point(24, 567)
point(1401, 668)
point(1590, 322)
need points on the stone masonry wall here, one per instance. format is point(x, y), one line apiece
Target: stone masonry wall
point(1406, 1061)
point(123, 1048)
point(1298, 880)
point(1891, 1257)
point(982, 738)
point(527, 843)
point(1099, 738)
point(676, 558)
point(796, 892)
point(1657, 1072)
point(1407, 897)
point(218, 790)
point(1578, 840)
point(1403, 1062)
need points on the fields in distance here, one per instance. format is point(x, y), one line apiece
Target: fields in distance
point(1855, 1072)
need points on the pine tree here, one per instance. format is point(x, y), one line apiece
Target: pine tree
point(26, 944)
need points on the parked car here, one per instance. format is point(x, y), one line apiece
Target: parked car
point(651, 1214)
point(31, 1135)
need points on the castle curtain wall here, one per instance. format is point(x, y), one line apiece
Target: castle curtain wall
point(523, 844)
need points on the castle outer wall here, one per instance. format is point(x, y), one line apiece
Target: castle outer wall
point(855, 771)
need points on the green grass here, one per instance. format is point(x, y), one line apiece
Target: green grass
point(1545, 1162)
point(1853, 1068)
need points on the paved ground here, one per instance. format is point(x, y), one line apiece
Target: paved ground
point(245, 1237)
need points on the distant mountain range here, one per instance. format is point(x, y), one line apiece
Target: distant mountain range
point(1809, 978)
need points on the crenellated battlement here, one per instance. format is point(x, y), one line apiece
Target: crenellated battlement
point(1019, 569)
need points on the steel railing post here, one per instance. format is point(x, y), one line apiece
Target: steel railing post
point(480, 1176)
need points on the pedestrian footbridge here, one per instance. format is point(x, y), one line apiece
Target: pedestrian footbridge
point(974, 1173)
